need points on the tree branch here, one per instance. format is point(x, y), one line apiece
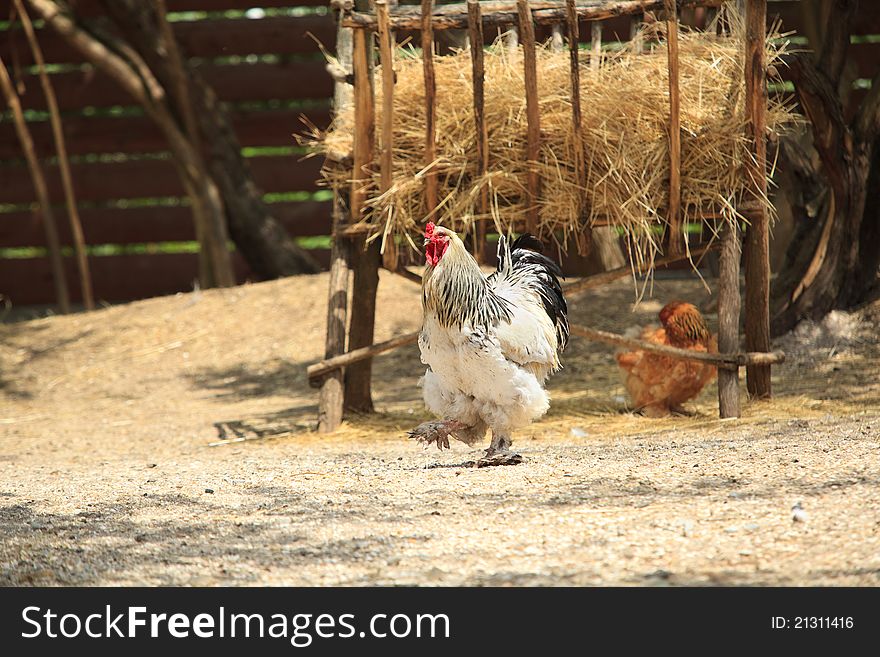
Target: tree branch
point(832, 56)
point(133, 74)
point(79, 242)
point(40, 188)
point(820, 102)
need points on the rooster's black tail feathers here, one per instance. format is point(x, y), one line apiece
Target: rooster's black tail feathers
point(525, 258)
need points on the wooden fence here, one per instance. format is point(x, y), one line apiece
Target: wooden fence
point(262, 63)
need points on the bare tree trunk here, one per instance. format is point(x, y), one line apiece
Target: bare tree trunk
point(264, 243)
point(844, 256)
point(121, 62)
point(219, 181)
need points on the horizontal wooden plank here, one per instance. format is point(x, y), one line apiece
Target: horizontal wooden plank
point(791, 13)
point(138, 134)
point(281, 35)
point(866, 57)
point(149, 224)
point(243, 82)
point(93, 8)
point(103, 181)
point(28, 281)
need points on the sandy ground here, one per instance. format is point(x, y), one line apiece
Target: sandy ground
point(169, 442)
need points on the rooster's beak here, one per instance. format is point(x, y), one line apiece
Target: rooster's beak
point(426, 242)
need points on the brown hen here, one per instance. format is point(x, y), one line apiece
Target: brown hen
point(659, 385)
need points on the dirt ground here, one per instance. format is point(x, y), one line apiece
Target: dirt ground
point(169, 442)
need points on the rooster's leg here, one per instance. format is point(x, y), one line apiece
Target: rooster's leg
point(437, 432)
point(499, 452)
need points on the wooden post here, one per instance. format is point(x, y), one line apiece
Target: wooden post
point(575, 92)
point(511, 41)
point(728, 318)
point(330, 400)
point(675, 237)
point(365, 259)
point(595, 45)
point(331, 397)
point(757, 234)
point(430, 107)
point(362, 56)
point(557, 44)
point(475, 36)
point(635, 35)
point(533, 154)
point(386, 58)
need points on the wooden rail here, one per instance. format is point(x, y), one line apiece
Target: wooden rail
point(317, 371)
point(499, 14)
point(727, 361)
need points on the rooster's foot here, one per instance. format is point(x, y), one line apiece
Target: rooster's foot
point(436, 432)
point(503, 457)
point(681, 410)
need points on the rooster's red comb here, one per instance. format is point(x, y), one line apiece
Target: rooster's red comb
point(429, 229)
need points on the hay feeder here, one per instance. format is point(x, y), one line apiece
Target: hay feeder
point(377, 197)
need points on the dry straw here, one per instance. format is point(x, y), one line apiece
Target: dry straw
point(625, 107)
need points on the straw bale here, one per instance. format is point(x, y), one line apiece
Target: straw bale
point(625, 108)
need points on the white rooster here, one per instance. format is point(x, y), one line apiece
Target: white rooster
point(489, 342)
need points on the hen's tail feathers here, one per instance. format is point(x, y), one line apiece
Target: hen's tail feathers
point(525, 255)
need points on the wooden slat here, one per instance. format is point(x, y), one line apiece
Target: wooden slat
point(867, 22)
point(364, 113)
point(287, 35)
point(151, 224)
point(527, 35)
point(92, 8)
point(790, 11)
point(245, 82)
point(27, 281)
point(575, 93)
point(138, 134)
point(675, 235)
point(427, 38)
point(123, 278)
point(865, 56)
point(282, 35)
point(152, 178)
point(478, 73)
point(504, 12)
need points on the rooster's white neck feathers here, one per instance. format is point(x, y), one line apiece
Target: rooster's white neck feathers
point(457, 294)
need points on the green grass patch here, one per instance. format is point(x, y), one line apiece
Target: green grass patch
point(314, 242)
point(252, 13)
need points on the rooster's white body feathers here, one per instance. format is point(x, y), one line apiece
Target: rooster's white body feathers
point(491, 342)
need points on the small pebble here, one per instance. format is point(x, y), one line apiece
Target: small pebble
point(209, 490)
point(798, 514)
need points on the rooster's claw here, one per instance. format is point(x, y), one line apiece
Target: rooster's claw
point(435, 431)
